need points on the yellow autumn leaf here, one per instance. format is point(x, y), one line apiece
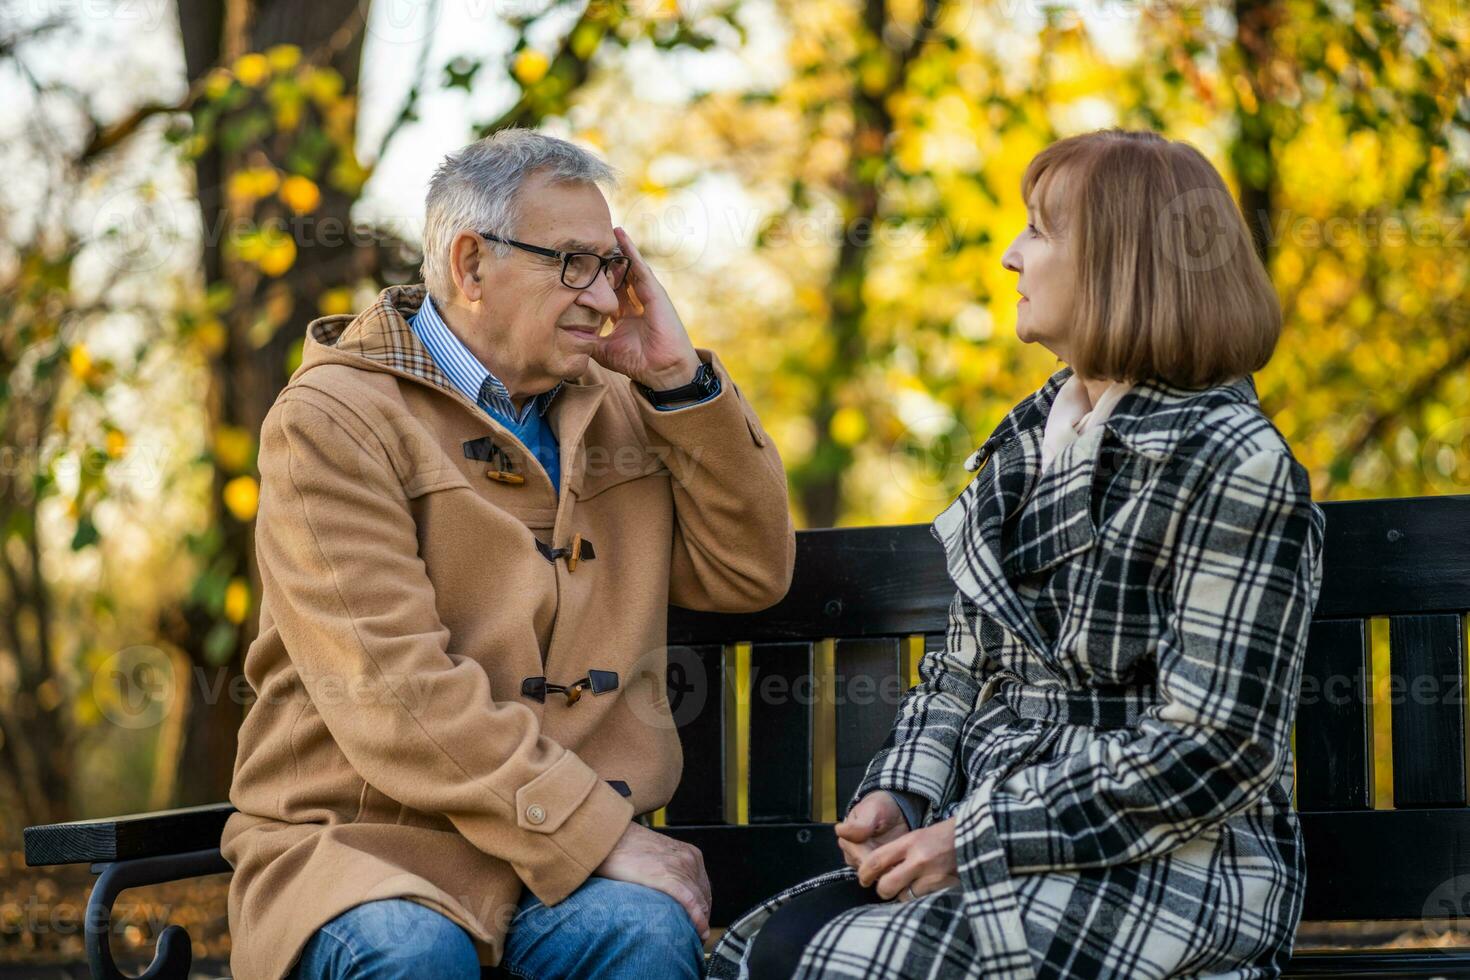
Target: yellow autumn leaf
point(248, 246)
point(210, 335)
point(249, 184)
point(80, 361)
point(873, 75)
point(242, 496)
point(217, 83)
point(335, 301)
point(117, 444)
point(288, 116)
point(910, 153)
point(348, 175)
point(324, 85)
point(530, 66)
point(300, 194)
point(85, 712)
point(252, 69)
point(280, 255)
point(283, 57)
point(237, 600)
point(232, 448)
point(849, 426)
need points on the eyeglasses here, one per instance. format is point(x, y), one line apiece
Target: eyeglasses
point(578, 269)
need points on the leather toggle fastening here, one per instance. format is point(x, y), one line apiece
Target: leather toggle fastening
point(579, 550)
point(486, 451)
point(596, 681)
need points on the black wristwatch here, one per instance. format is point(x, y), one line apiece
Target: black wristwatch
point(704, 385)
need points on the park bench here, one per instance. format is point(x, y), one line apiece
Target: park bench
point(864, 603)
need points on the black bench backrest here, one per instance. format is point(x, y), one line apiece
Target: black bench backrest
point(797, 714)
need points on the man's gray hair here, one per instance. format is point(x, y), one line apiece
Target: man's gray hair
point(477, 188)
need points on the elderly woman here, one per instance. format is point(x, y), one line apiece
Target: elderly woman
point(1093, 777)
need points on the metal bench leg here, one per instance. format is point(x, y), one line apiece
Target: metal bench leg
point(172, 955)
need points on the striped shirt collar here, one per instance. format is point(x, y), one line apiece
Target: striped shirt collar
point(465, 371)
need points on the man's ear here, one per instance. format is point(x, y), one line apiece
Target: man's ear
point(465, 254)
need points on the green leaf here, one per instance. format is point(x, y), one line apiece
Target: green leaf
point(460, 73)
point(86, 533)
point(219, 643)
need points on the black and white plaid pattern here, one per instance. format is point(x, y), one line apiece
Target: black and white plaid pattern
point(1109, 720)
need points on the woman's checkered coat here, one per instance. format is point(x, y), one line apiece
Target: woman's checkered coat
point(1110, 719)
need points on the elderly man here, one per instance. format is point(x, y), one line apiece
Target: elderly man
point(476, 505)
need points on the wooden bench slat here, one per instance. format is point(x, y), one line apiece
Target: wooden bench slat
point(1395, 556)
point(867, 691)
point(697, 685)
point(849, 582)
point(1386, 864)
point(1438, 963)
point(1427, 700)
point(781, 728)
point(1390, 557)
point(1334, 727)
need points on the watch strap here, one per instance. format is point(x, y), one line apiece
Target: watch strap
point(702, 386)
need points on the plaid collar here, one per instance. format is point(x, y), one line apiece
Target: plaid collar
point(381, 334)
point(1151, 419)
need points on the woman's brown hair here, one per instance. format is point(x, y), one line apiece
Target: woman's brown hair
point(1169, 285)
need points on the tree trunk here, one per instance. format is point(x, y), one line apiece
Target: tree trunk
point(820, 478)
point(38, 741)
point(1254, 164)
point(247, 377)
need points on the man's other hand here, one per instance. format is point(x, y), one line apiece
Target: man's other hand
point(646, 857)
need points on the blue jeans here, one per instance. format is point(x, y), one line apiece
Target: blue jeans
point(605, 928)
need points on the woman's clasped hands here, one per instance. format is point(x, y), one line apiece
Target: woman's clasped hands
point(905, 864)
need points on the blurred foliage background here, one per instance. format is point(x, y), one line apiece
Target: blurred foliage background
point(825, 186)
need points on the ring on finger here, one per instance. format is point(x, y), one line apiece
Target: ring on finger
point(909, 891)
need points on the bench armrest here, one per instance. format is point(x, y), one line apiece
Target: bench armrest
point(173, 953)
point(137, 835)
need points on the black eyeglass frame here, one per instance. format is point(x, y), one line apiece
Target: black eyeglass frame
point(566, 261)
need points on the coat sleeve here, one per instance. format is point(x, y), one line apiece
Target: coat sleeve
point(352, 600)
point(919, 754)
point(734, 545)
point(1245, 575)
